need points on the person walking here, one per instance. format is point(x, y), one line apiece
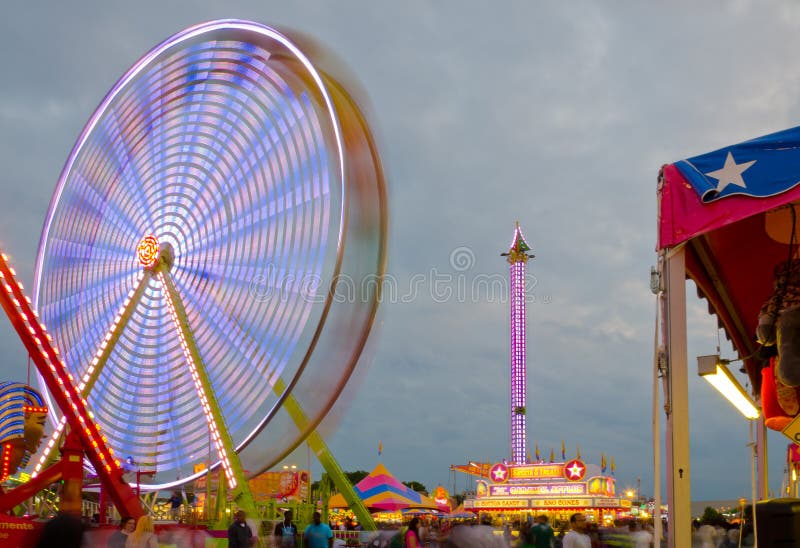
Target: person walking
point(239, 533)
point(175, 502)
point(541, 534)
point(318, 534)
point(118, 538)
point(412, 534)
point(144, 536)
point(577, 537)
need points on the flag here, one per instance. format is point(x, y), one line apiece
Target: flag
point(761, 167)
point(563, 451)
point(579, 452)
point(528, 460)
point(613, 466)
point(538, 458)
point(380, 447)
point(603, 463)
point(552, 455)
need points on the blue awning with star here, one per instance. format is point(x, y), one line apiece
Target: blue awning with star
point(762, 167)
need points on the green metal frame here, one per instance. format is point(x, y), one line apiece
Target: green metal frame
point(326, 459)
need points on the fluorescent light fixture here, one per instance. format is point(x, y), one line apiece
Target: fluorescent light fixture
point(712, 369)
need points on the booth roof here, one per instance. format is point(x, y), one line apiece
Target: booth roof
point(729, 254)
point(382, 491)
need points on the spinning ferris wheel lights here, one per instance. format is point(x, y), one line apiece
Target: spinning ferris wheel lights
point(200, 226)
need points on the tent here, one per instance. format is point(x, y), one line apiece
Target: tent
point(725, 219)
point(381, 491)
point(460, 513)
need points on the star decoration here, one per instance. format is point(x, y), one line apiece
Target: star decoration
point(730, 173)
point(499, 473)
point(575, 471)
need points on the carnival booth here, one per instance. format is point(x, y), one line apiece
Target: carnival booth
point(728, 220)
point(518, 492)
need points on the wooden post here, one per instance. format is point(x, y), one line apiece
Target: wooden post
point(677, 444)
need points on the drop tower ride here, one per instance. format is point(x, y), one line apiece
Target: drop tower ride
point(517, 257)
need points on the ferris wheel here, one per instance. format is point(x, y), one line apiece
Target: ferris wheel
point(211, 261)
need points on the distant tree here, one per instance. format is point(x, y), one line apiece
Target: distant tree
point(356, 476)
point(352, 477)
point(416, 486)
point(711, 515)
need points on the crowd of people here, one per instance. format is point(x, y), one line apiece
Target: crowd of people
point(67, 531)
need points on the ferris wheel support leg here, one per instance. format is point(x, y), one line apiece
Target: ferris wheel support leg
point(71, 475)
point(230, 463)
point(331, 465)
point(327, 460)
point(59, 381)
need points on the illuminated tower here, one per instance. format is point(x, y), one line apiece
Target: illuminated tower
point(517, 257)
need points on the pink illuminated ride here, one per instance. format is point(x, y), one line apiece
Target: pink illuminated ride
point(517, 257)
point(191, 261)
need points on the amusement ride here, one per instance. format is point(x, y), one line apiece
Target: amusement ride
point(188, 305)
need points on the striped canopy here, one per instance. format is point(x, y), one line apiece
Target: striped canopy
point(381, 491)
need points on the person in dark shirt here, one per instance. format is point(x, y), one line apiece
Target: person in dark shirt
point(64, 531)
point(175, 502)
point(118, 538)
point(239, 533)
point(286, 532)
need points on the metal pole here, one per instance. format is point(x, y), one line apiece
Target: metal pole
point(762, 463)
point(657, 534)
point(679, 496)
point(753, 457)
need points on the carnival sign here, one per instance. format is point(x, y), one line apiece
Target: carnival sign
point(500, 503)
point(537, 489)
point(606, 503)
point(558, 503)
point(536, 471)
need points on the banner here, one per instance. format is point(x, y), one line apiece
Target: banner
point(537, 489)
point(287, 484)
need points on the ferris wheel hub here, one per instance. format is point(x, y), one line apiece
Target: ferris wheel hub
point(153, 255)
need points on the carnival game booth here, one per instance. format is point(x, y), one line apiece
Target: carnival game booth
point(728, 220)
point(556, 489)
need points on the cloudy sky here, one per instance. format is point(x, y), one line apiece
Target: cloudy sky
point(555, 114)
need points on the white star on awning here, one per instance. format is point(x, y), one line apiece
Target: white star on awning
point(730, 173)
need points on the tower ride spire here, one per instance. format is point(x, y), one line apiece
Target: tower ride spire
point(517, 257)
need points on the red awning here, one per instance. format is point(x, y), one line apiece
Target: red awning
point(729, 254)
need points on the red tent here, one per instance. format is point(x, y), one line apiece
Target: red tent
point(729, 254)
point(725, 219)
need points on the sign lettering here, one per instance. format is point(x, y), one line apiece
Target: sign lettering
point(529, 489)
point(606, 503)
point(536, 471)
point(555, 503)
point(501, 503)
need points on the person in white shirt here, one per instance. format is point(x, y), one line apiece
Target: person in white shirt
point(577, 537)
point(641, 536)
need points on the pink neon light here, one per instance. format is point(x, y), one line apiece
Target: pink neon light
point(518, 355)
